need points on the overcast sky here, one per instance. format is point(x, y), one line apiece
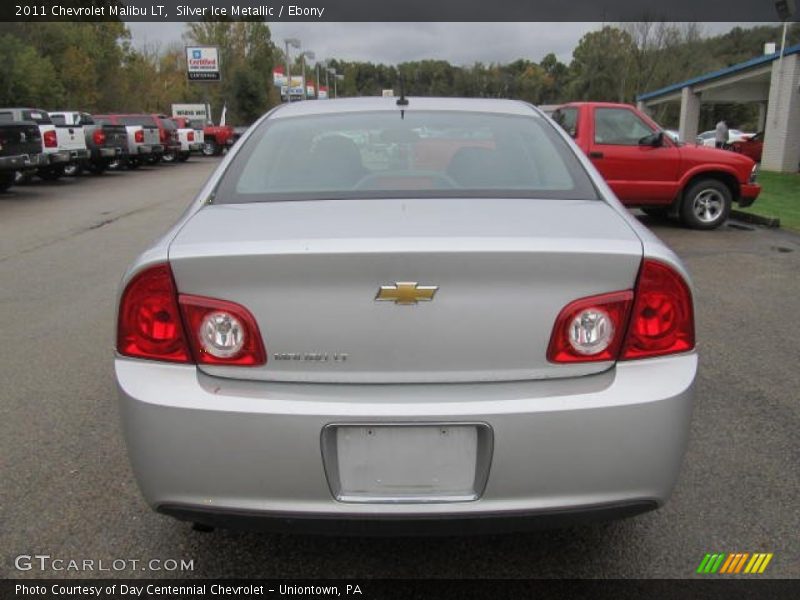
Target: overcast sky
point(392, 43)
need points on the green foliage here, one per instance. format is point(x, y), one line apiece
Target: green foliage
point(26, 77)
point(92, 66)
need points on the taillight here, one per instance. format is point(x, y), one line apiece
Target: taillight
point(162, 135)
point(590, 329)
point(190, 136)
point(157, 323)
point(50, 139)
point(139, 136)
point(655, 319)
point(662, 320)
point(99, 137)
point(149, 319)
point(221, 332)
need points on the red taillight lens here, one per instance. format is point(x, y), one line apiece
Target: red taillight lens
point(162, 135)
point(590, 329)
point(139, 136)
point(658, 318)
point(50, 139)
point(662, 321)
point(221, 332)
point(149, 319)
point(190, 136)
point(99, 137)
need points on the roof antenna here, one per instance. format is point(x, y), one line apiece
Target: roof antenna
point(402, 100)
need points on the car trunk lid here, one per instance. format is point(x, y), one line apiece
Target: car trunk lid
point(310, 271)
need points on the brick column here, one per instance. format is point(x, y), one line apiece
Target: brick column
point(782, 132)
point(690, 115)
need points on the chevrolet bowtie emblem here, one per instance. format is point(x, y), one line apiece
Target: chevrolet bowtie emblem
point(406, 292)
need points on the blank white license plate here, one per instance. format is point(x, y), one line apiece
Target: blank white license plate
point(406, 463)
point(386, 463)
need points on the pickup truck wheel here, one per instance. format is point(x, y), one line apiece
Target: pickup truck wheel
point(73, 170)
point(706, 204)
point(98, 168)
point(52, 173)
point(7, 179)
point(210, 148)
point(133, 163)
point(168, 157)
point(155, 159)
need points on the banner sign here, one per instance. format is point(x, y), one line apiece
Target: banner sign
point(190, 111)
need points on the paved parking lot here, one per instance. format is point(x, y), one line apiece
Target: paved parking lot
point(66, 488)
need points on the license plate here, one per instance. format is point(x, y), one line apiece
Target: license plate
point(406, 463)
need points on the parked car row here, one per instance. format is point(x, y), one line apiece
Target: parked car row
point(50, 145)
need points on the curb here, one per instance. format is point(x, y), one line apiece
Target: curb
point(772, 222)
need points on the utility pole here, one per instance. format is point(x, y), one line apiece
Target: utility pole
point(295, 43)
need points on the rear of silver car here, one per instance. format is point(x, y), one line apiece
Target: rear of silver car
point(402, 359)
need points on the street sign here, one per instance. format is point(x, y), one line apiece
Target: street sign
point(202, 63)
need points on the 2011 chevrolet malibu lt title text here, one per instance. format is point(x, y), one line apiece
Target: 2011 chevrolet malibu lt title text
point(401, 316)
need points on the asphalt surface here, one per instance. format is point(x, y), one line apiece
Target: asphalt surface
point(66, 488)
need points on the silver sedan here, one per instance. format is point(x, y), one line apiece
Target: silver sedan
point(404, 316)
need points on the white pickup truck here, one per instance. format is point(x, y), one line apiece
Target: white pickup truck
point(191, 136)
point(144, 140)
point(60, 146)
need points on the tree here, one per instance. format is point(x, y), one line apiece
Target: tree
point(599, 66)
point(26, 77)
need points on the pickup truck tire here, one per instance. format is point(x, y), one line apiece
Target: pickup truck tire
point(73, 170)
point(706, 204)
point(210, 148)
point(134, 163)
point(169, 157)
point(51, 173)
point(98, 168)
point(154, 159)
point(184, 156)
point(7, 179)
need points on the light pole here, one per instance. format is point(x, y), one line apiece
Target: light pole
point(294, 43)
point(327, 83)
point(303, 56)
point(335, 77)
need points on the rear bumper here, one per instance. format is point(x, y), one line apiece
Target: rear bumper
point(21, 161)
point(117, 152)
point(236, 453)
point(748, 194)
point(79, 155)
point(366, 525)
point(150, 149)
point(58, 158)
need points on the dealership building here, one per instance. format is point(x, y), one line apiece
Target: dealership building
point(771, 81)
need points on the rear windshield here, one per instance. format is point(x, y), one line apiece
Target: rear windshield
point(138, 120)
point(38, 116)
point(383, 155)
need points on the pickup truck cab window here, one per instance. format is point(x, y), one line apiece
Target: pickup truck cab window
point(567, 118)
point(619, 127)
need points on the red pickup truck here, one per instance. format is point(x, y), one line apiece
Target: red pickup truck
point(647, 169)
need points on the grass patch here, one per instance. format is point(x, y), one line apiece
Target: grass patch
point(779, 197)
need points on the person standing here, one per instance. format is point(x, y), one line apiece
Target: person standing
point(721, 134)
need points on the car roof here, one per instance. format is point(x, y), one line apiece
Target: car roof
point(371, 104)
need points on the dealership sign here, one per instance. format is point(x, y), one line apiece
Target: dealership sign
point(202, 63)
point(190, 111)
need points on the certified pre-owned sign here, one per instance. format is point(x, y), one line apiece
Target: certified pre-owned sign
point(202, 63)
